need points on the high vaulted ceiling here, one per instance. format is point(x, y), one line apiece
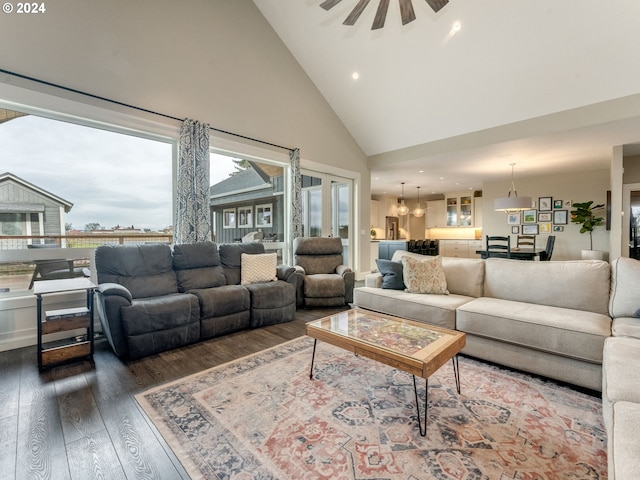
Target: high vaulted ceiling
point(451, 99)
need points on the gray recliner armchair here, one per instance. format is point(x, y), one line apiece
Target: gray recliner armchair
point(324, 280)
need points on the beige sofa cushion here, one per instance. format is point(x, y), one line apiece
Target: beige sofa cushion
point(579, 285)
point(434, 309)
point(625, 288)
point(465, 276)
point(624, 442)
point(550, 329)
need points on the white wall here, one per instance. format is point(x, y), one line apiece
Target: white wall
point(578, 187)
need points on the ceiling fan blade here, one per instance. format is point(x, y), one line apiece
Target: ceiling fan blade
point(406, 11)
point(381, 15)
point(356, 12)
point(327, 4)
point(436, 5)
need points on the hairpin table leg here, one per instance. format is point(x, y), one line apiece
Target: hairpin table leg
point(456, 372)
point(423, 430)
point(313, 356)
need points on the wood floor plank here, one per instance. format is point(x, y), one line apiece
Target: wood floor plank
point(41, 452)
point(93, 457)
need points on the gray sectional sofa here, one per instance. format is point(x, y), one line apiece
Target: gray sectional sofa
point(150, 298)
point(573, 321)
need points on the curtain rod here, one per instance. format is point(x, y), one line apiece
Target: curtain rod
point(134, 107)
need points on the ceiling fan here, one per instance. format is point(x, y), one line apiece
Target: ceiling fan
point(406, 10)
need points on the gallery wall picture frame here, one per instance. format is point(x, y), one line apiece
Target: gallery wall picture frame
point(529, 216)
point(557, 204)
point(560, 217)
point(558, 228)
point(544, 217)
point(515, 229)
point(530, 229)
point(545, 227)
point(513, 218)
point(544, 204)
point(229, 218)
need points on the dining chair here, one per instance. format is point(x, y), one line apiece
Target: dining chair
point(546, 255)
point(498, 247)
point(528, 241)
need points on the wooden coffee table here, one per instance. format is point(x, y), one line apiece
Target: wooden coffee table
point(414, 347)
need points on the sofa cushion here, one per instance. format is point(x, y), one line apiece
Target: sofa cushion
point(324, 285)
point(145, 270)
point(156, 324)
point(624, 442)
point(465, 276)
point(259, 267)
point(391, 274)
point(197, 265)
point(437, 310)
point(625, 327)
point(579, 284)
point(561, 331)
point(231, 258)
point(625, 288)
point(222, 301)
point(424, 276)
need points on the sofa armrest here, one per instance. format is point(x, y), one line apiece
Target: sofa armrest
point(373, 280)
point(109, 289)
point(110, 298)
point(284, 272)
point(349, 277)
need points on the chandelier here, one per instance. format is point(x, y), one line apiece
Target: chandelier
point(512, 204)
point(402, 209)
point(418, 212)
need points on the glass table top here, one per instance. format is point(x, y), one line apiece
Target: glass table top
point(392, 333)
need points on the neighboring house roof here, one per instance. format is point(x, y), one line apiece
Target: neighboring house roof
point(6, 177)
point(246, 186)
point(239, 182)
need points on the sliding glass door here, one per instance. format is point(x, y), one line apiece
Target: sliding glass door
point(326, 208)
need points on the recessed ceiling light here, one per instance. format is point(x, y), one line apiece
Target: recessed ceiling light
point(355, 75)
point(455, 28)
point(420, 171)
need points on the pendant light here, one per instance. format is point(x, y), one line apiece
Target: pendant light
point(512, 204)
point(402, 209)
point(418, 212)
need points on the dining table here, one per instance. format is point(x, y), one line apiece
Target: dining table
point(523, 253)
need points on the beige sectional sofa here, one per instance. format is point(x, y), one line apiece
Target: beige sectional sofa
point(574, 321)
point(548, 318)
point(621, 372)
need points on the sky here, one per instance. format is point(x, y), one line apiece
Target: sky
point(111, 179)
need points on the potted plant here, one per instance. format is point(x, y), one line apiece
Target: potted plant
point(585, 215)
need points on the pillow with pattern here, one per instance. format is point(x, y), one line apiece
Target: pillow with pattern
point(258, 267)
point(424, 276)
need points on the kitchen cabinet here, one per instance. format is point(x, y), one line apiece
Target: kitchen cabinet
point(460, 248)
point(459, 211)
point(435, 214)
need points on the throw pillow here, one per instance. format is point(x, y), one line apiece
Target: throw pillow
point(391, 274)
point(259, 267)
point(424, 276)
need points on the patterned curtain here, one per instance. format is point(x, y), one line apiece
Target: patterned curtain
point(296, 195)
point(192, 213)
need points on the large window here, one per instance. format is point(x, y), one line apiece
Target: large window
point(64, 185)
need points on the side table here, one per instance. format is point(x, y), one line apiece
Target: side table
point(64, 320)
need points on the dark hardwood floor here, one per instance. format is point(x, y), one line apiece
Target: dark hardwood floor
point(80, 421)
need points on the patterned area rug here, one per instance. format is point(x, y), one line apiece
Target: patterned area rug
point(261, 417)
